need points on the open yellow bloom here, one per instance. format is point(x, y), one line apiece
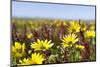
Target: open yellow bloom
point(41, 45)
point(37, 58)
point(18, 49)
point(25, 61)
point(80, 47)
point(69, 40)
point(74, 27)
point(90, 33)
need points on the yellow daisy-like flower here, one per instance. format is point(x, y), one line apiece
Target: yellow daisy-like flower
point(80, 47)
point(69, 40)
point(41, 45)
point(74, 27)
point(25, 61)
point(37, 58)
point(18, 49)
point(90, 33)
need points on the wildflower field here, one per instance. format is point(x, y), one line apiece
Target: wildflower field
point(49, 41)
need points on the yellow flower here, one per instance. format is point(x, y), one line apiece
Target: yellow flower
point(37, 58)
point(29, 35)
point(17, 45)
point(59, 23)
point(25, 61)
point(69, 40)
point(92, 27)
point(74, 27)
point(18, 49)
point(41, 45)
point(80, 47)
point(90, 33)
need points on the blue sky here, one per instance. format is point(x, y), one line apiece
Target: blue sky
point(44, 10)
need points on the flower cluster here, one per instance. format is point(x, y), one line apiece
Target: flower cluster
point(42, 41)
